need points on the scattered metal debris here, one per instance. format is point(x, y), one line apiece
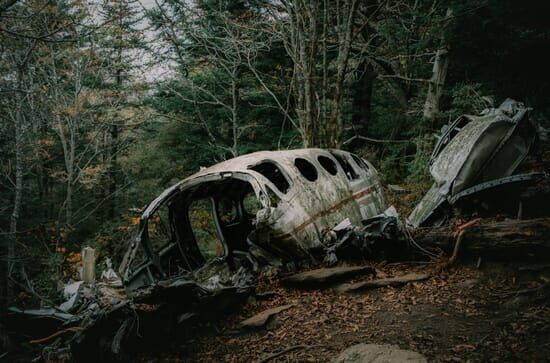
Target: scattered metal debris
point(475, 154)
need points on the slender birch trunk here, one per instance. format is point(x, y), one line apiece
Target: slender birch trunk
point(439, 75)
point(18, 193)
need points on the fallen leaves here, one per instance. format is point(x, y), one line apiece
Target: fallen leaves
point(448, 317)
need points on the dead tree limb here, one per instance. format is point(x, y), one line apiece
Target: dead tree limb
point(389, 281)
point(289, 349)
point(72, 329)
point(460, 236)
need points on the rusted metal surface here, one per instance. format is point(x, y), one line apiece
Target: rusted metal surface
point(302, 194)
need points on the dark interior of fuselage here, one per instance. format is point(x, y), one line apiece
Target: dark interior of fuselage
point(211, 220)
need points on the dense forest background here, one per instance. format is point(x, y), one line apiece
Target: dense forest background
point(105, 103)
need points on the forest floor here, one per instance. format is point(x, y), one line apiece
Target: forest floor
point(495, 313)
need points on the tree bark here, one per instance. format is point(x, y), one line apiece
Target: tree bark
point(437, 81)
point(388, 281)
point(18, 193)
point(345, 35)
point(68, 146)
point(70, 178)
point(363, 97)
point(234, 115)
point(509, 237)
point(435, 86)
point(302, 47)
point(113, 171)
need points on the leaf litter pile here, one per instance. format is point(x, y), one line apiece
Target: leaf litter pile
point(494, 313)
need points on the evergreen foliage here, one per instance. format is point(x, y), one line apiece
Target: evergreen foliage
point(104, 104)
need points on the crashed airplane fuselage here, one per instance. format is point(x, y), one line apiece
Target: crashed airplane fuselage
point(475, 154)
point(273, 205)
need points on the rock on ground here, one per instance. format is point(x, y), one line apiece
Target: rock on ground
point(378, 353)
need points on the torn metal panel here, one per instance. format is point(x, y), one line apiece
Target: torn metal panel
point(269, 205)
point(475, 150)
point(380, 237)
point(508, 181)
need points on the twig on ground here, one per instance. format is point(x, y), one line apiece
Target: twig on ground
point(454, 256)
point(459, 236)
point(375, 141)
point(520, 292)
point(461, 229)
point(72, 329)
point(410, 263)
point(289, 349)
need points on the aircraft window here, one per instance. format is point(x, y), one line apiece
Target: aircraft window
point(328, 164)
point(348, 169)
point(273, 174)
point(139, 258)
point(251, 204)
point(306, 168)
point(360, 162)
point(227, 210)
point(273, 198)
point(159, 231)
point(204, 229)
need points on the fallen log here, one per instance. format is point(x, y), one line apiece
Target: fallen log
point(489, 238)
point(325, 276)
point(261, 319)
point(389, 281)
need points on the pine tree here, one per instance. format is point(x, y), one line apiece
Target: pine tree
point(120, 44)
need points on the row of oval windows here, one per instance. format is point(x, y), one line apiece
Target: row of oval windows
point(308, 170)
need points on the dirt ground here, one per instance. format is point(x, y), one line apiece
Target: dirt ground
point(497, 313)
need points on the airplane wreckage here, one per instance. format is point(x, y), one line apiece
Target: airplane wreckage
point(202, 243)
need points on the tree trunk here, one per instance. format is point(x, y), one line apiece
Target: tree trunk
point(234, 120)
point(345, 32)
point(437, 81)
point(435, 87)
point(113, 167)
point(18, 193)
point(113, 171)
point(324, 87)
point(363, 97)
point(70, 179)
point(309, 122)
point(517, 238)
point(302, 47)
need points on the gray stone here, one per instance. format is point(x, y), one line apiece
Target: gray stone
point(378, 353)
